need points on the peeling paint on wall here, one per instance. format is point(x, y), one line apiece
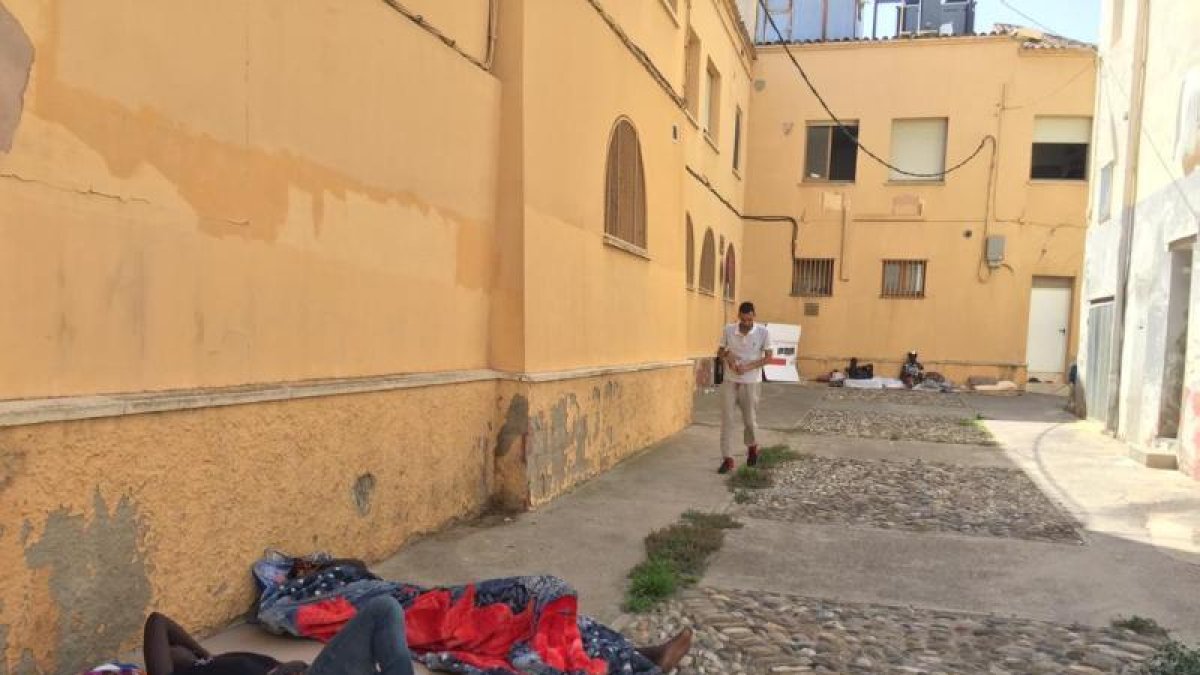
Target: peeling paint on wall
point(16, 60)
point(363, 487)
point(26, 664)
point(11, 464)
point(98, 580)
point(516, 422)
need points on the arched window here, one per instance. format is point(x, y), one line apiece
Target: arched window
point(690, 257)
point(708, 263)
point(730, 273)
point(625, 187)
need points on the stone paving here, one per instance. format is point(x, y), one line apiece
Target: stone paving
point(896, 426)
point(757, 632)
point(896, 397)
point(911, 495)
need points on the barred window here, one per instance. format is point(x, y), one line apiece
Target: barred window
point(812, 277)
point(903, 278)
point(708, 263)
point(625, 187)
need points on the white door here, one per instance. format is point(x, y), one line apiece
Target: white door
point(1049, 321)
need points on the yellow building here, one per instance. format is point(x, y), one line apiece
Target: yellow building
point(326, 275)
point(889, 261)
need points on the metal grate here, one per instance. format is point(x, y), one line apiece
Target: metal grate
point(903, 278)
point(812, 277)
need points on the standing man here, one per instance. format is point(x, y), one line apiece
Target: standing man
point(744, 352)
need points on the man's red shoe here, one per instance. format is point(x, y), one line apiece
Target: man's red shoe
point(726, 465)
point(752, 456)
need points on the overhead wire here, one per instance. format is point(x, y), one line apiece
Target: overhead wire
point(1028, 18)
point(851, 135)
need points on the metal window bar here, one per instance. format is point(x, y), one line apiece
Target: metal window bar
point(813, 277)
point(903, 279)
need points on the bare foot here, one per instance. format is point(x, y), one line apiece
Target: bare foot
point(668, 655)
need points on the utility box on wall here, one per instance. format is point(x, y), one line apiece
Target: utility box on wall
point(994, 250)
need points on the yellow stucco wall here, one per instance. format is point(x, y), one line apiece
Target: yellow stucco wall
point(580, 428)
point(586, 302)
point(971, 321)
point(109, 519)
point(235, 218)
point(118, 516)
point(243, 197)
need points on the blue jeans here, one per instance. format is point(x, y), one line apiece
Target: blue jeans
point(374, 637)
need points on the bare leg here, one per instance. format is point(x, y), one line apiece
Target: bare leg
point(168, 647)
point(668, 655)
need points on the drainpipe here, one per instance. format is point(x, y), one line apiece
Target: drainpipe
point(1129, 208)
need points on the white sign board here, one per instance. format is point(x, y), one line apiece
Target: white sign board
point(784, 340)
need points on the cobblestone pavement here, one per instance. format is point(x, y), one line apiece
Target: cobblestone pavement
point(896, 397)
point(911, 495)
point(897, 427)
point(753, 632)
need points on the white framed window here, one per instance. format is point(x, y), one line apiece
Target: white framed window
point(691, 86)
point(710, 116)
point(919, 147)
point(737, 139)
point(1060, 148)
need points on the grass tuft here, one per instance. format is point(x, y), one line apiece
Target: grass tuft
point(771, 457)
point(717, 521)
point(676, 556)
point(1140, 625)
point(1174, 658)
point(750, 478)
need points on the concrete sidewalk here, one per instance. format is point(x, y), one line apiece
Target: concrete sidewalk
point(590, 537)
point(1141, 526)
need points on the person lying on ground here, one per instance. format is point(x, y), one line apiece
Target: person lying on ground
point(528, 624)
point(372, 642)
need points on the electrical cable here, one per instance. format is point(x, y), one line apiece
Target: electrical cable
point(1028, 18)
point(846, 130)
